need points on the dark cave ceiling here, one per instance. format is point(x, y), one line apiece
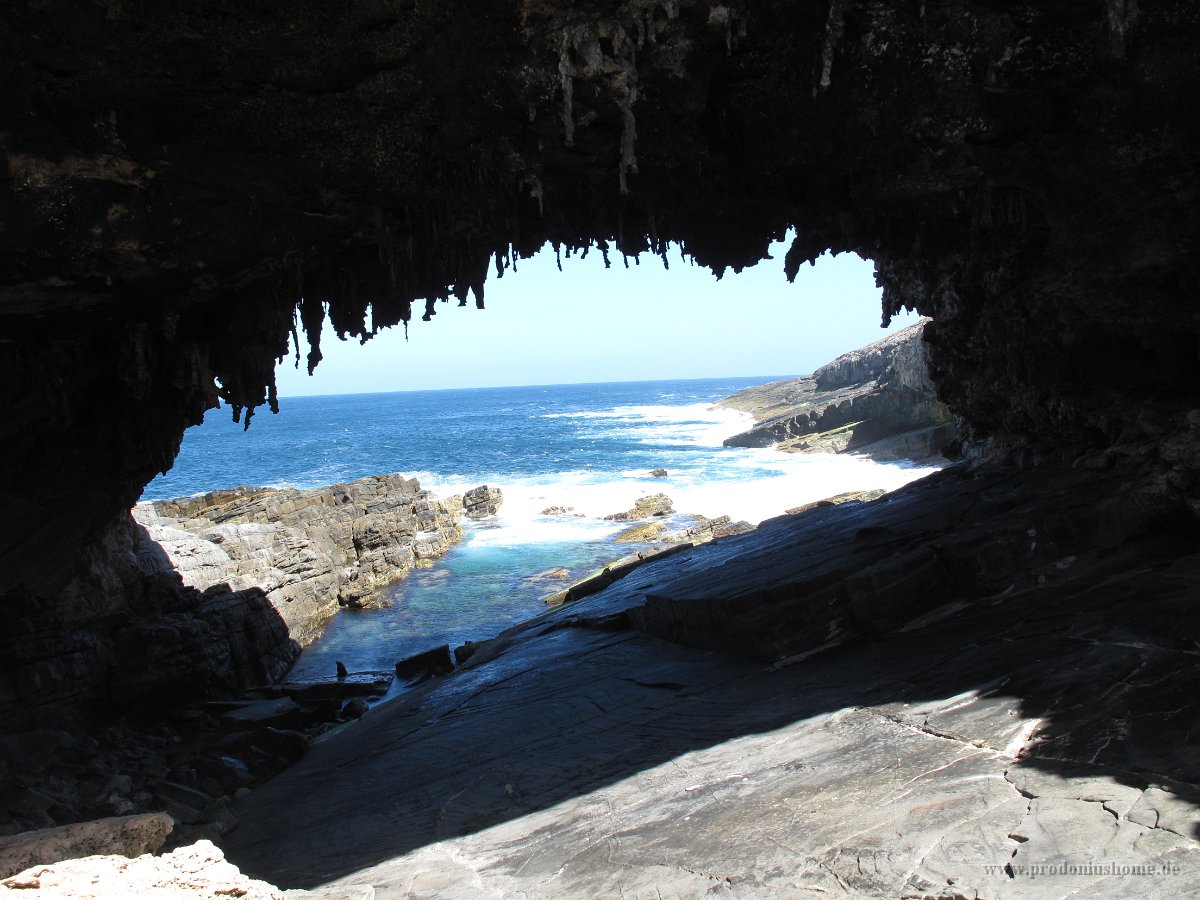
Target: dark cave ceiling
point(186, 186)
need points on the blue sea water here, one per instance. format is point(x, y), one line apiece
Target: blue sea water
point(586, 446)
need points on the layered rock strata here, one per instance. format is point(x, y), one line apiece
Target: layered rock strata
point(877, 400)
point(309, 551)
point(205, 596)
point(974, 686)
point(126, 631)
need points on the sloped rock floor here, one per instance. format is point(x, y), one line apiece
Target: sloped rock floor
point(1029, 739)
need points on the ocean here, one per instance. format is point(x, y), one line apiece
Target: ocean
point(590, 447)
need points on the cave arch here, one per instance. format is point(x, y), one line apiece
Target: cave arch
point(176, 180)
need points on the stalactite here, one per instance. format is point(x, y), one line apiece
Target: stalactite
point(565, 75)
point(628, 164)
point(535, 190)
point(312, 317)
point(721, 16)
point(835, 27)
point(296, 339)
point(1122, 14)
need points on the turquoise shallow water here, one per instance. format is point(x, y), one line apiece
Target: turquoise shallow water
point(589, 447)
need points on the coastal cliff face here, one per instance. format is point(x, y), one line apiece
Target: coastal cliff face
point(125, 630)
point(311, 551)
point(877, 400)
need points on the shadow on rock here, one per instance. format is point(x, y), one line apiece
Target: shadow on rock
point(1038, 684)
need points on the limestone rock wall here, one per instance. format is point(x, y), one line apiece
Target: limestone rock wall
point(126, 631)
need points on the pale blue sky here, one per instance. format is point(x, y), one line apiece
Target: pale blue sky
point(591, 324)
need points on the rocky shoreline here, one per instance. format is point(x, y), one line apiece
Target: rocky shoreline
point(877, 401)
point(208, 775)
point(311, 552)
point(894, 609)
point(302, 555)
point(295, 556)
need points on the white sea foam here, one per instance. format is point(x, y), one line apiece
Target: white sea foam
point(701, 424)
point(750, 484)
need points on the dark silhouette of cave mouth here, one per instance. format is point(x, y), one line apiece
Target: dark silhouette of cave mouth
point(1102, 653)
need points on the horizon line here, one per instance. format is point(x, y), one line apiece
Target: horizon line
point(766, 380)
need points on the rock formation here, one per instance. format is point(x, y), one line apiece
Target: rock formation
point(877, 400)
point(644, 508)
point(207, 595)
point(126, 631)
point(481, 502)
point(117, 836)
point(185, 189)
point(199, 870)
point(187, 186)
point(308, 551)
point(1003, 708)
point(176, 201)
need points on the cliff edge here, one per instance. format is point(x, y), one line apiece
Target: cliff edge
point(876, 400)
point(310, 551)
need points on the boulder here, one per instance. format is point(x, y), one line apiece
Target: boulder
point(706, 530)
point(482, 501)
point(121, 835)
point(645, 508)
point(355, 684)
point(644, 533)
point(199, 870)
point(283, 712)
point(355, 708)
point(284, 743)
point(436, 661)
point(557, 573)
point(465, 652)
